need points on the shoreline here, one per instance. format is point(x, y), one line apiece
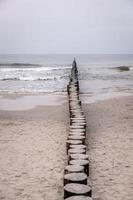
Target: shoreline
point(20, 102)
point(33, 151)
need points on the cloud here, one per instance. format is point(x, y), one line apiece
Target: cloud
point(65, 26)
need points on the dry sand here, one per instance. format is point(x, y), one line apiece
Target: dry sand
point(110, 138)
point(32, 153)
point(33, 156)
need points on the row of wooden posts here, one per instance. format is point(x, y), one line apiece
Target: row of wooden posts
point(76, 174)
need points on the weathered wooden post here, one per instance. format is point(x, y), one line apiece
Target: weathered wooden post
point(77, 172)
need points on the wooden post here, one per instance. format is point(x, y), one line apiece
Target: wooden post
point(80, 178)
point(73, 189)
point(75, 174)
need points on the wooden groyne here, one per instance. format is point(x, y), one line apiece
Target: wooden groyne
point(76, 174)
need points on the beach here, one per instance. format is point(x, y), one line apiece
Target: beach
point(33, 149)
point(66, 100)
point(32, 152)
point(110, 141)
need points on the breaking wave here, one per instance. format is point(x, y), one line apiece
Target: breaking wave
point(32, 78)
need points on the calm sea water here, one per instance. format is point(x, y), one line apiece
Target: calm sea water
point(98, 74)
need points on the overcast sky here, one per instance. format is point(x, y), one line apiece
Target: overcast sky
point(66, 26)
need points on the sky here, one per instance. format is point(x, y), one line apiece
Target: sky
point(66, 26)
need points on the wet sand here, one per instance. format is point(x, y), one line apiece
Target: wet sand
point(33, 156)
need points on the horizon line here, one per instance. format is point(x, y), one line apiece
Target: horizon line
point(66, 53)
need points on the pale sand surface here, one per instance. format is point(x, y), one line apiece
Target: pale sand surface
point(33, 153)
point(110, 138)
point(33, 156)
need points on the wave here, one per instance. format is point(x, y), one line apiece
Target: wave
point(36, 91)
point(27, 79)
point(60, 68)
point(19, 65)
point(9, 68)
point(33, 78)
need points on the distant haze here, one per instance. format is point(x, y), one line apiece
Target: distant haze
point(66, 26)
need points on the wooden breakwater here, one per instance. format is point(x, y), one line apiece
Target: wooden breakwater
point(76, 174)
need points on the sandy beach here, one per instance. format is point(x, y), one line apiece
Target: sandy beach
point(33, 156)
point(66, 78)
point(110, 139)
point(32, 153)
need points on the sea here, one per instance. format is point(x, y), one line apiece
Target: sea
point(99, 75)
